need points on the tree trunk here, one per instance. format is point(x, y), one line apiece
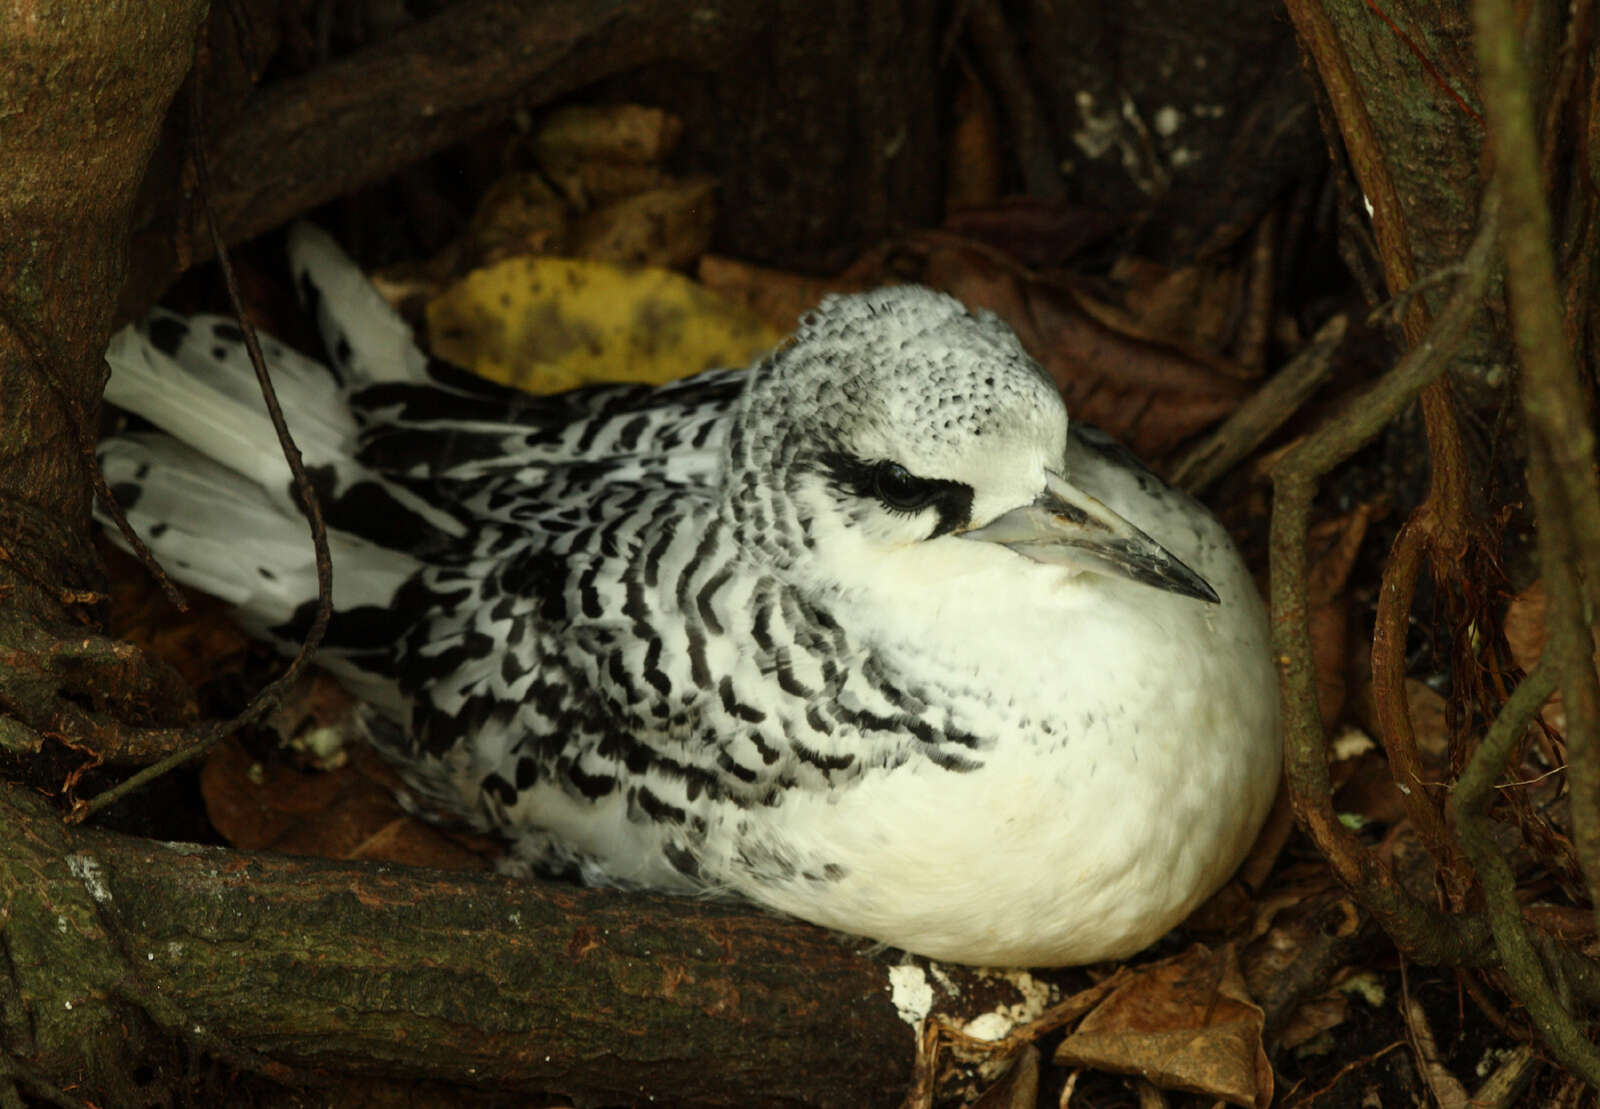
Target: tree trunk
point(84, 86)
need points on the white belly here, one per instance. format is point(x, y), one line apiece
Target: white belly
point(1136, 755)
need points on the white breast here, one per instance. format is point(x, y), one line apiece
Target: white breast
point(1134, 755)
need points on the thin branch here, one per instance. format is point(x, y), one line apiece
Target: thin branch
point(273, 692)
point(1423, 932)
point(1518, 957)
point(1268, 409)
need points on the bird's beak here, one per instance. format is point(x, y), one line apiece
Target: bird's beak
point(1067, 527)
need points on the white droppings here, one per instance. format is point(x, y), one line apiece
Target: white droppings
point(911, 993)
point(322, 743)
point(87, 871)
point(989, 1026)
point(1350, 743)
point(999, 1021)
point(1167, 120)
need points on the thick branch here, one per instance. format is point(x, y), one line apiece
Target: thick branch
point(760, 79)
point(304, 141)
point(472, 979)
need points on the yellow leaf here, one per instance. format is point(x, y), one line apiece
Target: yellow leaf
point(550, 324)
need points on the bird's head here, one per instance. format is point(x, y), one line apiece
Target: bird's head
point(895, 420)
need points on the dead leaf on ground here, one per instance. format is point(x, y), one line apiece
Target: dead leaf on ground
point(546, 325)
point(666, 226)
point(629, 133)
point(1334, 545)
point(520, 214)
point(1150, 397)
point(199, 644)
point(1312, 1018)
point(1185, 1023)
point(1231, 911)
point(339, 814)
point(1040, 234)
point(1194, 308)
point(1526, 635)
point(1018, 1088)
point(777, 297)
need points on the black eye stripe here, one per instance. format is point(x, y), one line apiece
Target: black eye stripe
point(898, 490)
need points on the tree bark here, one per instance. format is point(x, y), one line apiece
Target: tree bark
point(823, 125)
point(115, 949)
point(83, 89)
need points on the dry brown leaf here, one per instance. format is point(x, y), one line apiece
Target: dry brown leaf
point(1194, 308)
point(1232, 910)
point(1150, 397)
point(628, 133)
point(339, 814)
point(1370, 791)
point(1446, 1088)
point(667, 226)
point(778, 298)
point(1314, 1017)
point(592, 184)
point(199, 644)
point(1334, 545)
point(1526, 636)
point(1524, 625)
point(1430, 723)
point(1185, 1023)
point(1018, 1088)
point(1042, 234)
point(1330, 631)
point(520, 214)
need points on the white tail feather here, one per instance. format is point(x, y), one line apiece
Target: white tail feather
point(216, 531)
point(365, 337)
point(205, 395)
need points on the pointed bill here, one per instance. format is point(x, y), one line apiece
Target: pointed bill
point(1067, 527)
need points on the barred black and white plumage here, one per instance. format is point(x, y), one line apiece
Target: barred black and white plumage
point(865, 634)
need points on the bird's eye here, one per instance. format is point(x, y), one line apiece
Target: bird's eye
point(895, 486)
